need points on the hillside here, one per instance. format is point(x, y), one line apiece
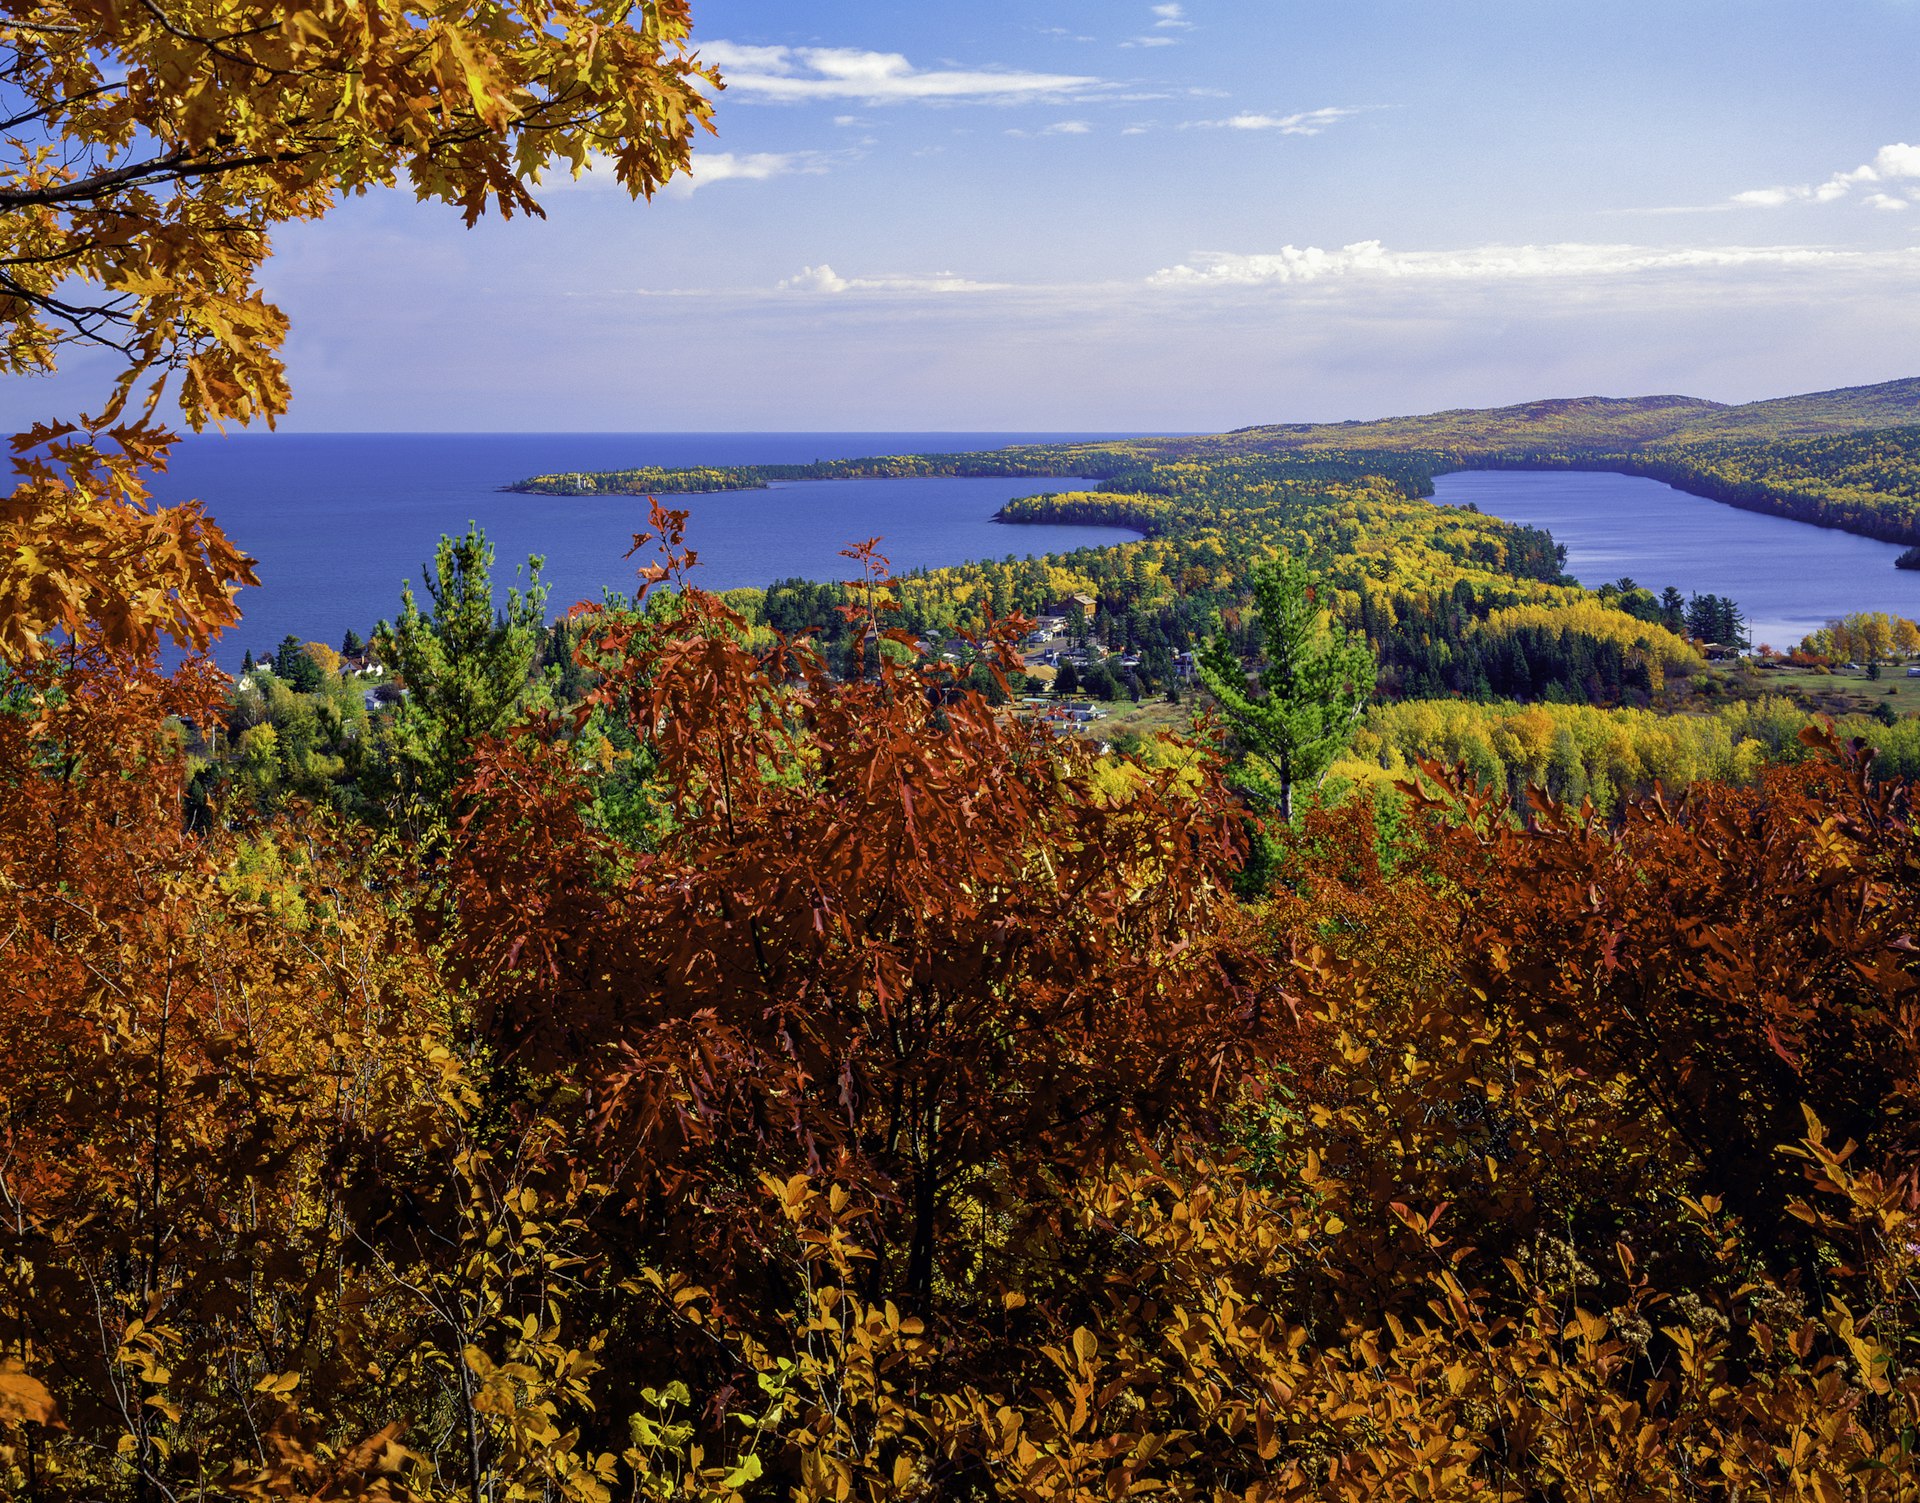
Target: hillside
point(1597, 423)
point(1604, 424)
point(1890, 404)
point(1865, 481)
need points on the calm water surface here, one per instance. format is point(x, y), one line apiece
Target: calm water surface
point(1789, 577)
point(336, 521)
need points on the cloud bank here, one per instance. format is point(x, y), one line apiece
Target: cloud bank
point(824, 279)
point(1371, 260)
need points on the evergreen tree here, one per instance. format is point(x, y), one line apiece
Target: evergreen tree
point(294, 666)
point(464, 665)
point(1315, 680)
point(569, 681)
point(1067, 680)
point(352, 644)
point(1717, 619)
point(1734, 624)
point(1099, 682)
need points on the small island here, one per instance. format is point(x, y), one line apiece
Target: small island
point(1910, 559)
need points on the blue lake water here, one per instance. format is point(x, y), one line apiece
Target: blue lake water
point(337, 521)
point(1789, 577)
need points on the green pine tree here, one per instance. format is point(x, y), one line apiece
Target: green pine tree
point(1314, 681)
point(294, 666)
point(465, 666)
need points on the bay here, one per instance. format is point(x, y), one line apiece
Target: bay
point(337, 521)
point(1789, 577)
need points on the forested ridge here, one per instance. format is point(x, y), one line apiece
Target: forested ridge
point(1842, 459)
point(725, 1048)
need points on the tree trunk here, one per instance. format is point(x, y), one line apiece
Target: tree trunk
point(920, 1249)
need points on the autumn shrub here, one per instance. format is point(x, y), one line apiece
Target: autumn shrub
point(888, 938)
point(915, 1113)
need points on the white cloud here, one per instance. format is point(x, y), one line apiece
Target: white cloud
point(753, 166)
point(708, 167)
point(1058, 128)
point(1898, 160)
point(1890, 163)
point(1167, 18)
point(747, 59)
point(1305, 123)
point(792, 74)
point(1887, 201)
point(1371, 260)
point(821, 278)
point(824, 279)
point(1770, 198)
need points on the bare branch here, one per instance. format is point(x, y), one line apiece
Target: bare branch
point(72, 99)
point(172, 168)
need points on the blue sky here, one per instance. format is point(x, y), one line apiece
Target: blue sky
point(1111, 215)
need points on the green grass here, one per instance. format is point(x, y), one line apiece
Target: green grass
point(1840, 691)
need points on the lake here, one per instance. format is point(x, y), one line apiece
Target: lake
point(336, 521)
point(1789, 577)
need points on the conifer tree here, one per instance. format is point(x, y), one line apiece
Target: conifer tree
point(1673, 610)
point(464, 665)
point(295, 666)
point(1314, 680)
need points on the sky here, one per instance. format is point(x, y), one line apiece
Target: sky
point(1106, 215)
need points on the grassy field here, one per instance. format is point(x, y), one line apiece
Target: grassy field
point(1840, 691)
point(1145, 719)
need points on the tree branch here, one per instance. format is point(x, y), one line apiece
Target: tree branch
point(173, 168)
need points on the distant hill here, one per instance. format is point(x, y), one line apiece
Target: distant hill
point(1891, 404)
point(1614, 425)
point(1610, 423)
